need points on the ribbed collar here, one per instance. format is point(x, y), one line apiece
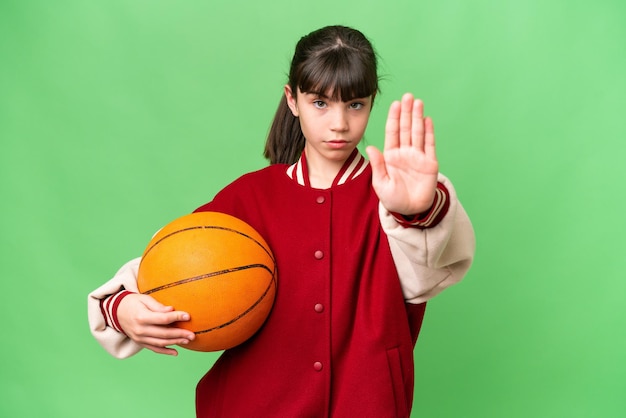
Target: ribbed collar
point(351, 169)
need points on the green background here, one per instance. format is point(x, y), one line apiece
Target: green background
point(118, 116)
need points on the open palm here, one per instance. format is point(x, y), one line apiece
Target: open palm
point(404, 175)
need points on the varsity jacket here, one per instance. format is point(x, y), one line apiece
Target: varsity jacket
point(353, 281)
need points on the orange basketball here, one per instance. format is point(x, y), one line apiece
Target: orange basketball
point(219, 270)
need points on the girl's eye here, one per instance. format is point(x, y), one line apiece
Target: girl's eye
point(319, 104)
point(356, 105)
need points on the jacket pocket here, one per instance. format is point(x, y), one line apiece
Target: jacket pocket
point(398, 382)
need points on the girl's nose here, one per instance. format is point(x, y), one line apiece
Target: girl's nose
point(339, 122)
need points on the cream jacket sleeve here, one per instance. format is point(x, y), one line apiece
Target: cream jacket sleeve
point(116, 343)
point(430, 260)
point(427, 260)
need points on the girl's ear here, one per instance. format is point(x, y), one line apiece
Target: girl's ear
point(291, 100)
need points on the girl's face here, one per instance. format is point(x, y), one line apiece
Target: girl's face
point(332, 128)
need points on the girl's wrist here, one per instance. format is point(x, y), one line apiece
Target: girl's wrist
point(432, 216)
point(109, 306)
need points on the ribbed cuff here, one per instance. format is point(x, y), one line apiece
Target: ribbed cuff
point(109, 307)
point(431, 217)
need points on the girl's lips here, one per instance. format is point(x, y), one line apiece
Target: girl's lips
point(337, 143)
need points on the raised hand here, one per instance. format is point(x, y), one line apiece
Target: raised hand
point(404, 175)
point(148, 323)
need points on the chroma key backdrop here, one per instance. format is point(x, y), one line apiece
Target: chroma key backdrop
point(117, 117)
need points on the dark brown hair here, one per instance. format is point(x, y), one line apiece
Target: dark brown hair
point(336, 60)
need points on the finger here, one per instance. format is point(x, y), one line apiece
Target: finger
point(167, 313)
point(377, 161)
point(160, 337)
point(392, 128)
point(161, 350)
point(429, 138)
point(154, 305)
point(160, 318)
point(405, 119)
point(417, 128)
point(163, 342)
point(156, 333)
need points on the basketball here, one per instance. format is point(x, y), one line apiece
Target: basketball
point(219, 270)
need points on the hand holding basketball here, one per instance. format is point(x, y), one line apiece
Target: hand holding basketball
point(214, 267)
point(148, 323)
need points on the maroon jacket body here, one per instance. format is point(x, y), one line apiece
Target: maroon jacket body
point(339, 340)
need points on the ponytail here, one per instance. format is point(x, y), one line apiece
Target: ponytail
point(285, 141)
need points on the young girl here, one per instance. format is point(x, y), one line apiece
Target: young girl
point(360, 247)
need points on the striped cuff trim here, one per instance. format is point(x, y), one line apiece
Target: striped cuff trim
point(430, 218)
point(109, 307)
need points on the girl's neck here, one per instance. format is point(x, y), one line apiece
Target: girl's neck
point(322, 172)
point(322, 177)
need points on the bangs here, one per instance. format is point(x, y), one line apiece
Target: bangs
point(340, 74)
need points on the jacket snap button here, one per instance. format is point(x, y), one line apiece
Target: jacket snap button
point(319, 308)
point(319, 254)
point(320, 199)
point(317, 366)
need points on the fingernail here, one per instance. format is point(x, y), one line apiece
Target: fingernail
point(185, 317)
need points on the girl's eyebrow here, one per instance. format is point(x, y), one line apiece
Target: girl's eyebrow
point(325, 97)
point(318, 95)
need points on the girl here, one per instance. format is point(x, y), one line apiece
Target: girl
point(360, 247)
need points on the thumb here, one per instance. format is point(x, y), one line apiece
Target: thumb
point(379, 169)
